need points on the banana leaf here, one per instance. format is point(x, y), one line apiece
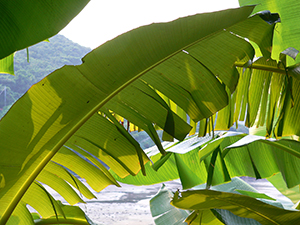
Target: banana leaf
point(164, 213)
point(69, 109)
point(286, 34)
point(267, 94)
point(239, 155)
point(239, 205)
point(26, 23)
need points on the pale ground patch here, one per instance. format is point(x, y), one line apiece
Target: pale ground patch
point(126, 205)
point(129, 205)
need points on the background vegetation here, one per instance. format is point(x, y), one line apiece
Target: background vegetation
point(44, 58)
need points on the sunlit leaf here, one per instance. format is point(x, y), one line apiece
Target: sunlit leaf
point(240, 205)
point(7, 65)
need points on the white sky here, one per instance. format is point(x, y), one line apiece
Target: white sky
point(101, 20)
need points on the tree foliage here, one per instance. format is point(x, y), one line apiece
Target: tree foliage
point(44, 58)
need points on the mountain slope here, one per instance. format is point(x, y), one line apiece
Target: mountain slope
point(44, 58)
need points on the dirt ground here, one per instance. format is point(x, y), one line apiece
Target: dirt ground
point(126, 205)
point(129, 205)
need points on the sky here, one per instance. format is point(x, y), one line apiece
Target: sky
point(101, 20)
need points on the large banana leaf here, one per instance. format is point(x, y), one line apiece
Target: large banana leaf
point(58, 119)
point(49, 210)
point(267, 94)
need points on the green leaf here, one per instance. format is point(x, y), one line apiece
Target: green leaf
point(277, 152)
point(286, 34)
point(93, 175)
point(161, 209)
point(263, 40)
point(163, 212)
point(161, 161)
point(226, 216)
point(211, 168)
point(204, 217)
point(27, 23)
point(279, 183)
point(62, 109)
point(287, 124)
point(7, 65)
point(62, 187)
point(181, 162)
point(73, 215)
point(228, 138)
point(61, 172)
point(240, 205)
point(255, 195)
point(21, 215)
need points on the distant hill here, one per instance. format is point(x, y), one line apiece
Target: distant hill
point(44, 58)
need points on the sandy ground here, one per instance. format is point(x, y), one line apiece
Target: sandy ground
point(126, 205)
point(129, 205)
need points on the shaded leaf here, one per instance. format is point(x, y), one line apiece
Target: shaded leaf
point(163, 212)
point(27, 23)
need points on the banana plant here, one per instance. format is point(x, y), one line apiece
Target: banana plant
point(165, 213)
point(199, 160)
point(267, 94)
point(67, 119)
point(210, 162)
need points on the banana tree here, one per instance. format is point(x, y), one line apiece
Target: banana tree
point(266, 95)
point(71, 115)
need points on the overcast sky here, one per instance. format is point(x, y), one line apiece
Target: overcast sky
point(101, 21)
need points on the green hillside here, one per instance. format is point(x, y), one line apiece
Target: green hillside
point(44, 58)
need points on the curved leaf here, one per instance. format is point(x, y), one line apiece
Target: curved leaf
point(72, 215)
point(277, 152)
point(286, 34)
point(63, 109)
point(240, 205)
point(182, 162)
point(27, 23)
point(163, 212)
point(21, 215)
point(61, 172)
point(62, 187)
